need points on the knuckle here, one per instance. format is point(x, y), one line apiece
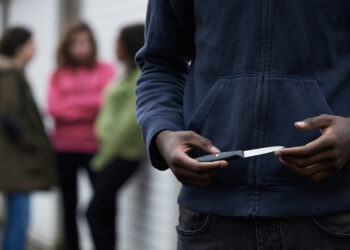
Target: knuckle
point(324, 116)
point(190, 134)
point(206, 141)
point(310, 121)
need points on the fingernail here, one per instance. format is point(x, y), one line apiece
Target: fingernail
point(301, 124)
point(215, 149)
point(278, 153)
point(223, 165)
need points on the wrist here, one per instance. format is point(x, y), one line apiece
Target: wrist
point(160, 137)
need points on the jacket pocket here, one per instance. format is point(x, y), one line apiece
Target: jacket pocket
point(289, 100)
point(225, 116)
point(192, 223)
point(335, 225)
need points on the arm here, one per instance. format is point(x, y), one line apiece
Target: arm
point(164, 64)
point(72, 107)
point(11, 120)
point(58, 104)
point(125, 130)
point(11, 126)
point(93, 99)
point(326, 155)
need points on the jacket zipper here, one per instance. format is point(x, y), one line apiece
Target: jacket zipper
point(260, 110)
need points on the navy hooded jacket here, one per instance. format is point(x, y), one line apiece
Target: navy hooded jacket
point(240, 73)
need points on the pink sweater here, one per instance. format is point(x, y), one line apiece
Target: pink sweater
point(74, 97)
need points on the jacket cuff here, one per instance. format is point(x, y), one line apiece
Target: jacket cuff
point(150, 130)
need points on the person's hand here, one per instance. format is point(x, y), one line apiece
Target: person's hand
point(174, 147)
point(324, 156)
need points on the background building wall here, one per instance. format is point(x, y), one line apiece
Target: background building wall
point(147, 203)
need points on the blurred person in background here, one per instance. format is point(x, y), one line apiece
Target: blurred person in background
point(26, 159)
point(120, 143)
point(74, 96)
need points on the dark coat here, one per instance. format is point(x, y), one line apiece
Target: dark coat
point(240, 73)
point(26, 160)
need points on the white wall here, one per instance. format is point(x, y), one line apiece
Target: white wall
point(107, 17)
point(1, 13)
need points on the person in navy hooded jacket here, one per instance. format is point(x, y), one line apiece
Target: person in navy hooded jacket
point(247, 74)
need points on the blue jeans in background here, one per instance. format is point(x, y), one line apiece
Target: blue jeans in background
point(17, 221)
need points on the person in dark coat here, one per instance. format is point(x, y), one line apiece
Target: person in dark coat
point(26, 161)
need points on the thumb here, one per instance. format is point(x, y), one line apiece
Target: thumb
point(202, 142)
point(321, 122)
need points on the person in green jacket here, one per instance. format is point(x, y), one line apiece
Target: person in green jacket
point(121, 148)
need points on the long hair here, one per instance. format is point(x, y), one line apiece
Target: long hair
point(13, 39)
point(132, 39)
point(64, 58)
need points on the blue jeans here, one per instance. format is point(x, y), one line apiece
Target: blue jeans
point(17, 221)
point(198, 231)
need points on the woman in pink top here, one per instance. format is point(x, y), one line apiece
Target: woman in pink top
point(74, 98)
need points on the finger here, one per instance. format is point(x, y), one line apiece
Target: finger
point(309, 170)
point(322, 175)
point(324, 156)
point(312, 148)
point(320, 122)
point(182, 173)
point(189, 178)
point(182, 160)
point(201, 142)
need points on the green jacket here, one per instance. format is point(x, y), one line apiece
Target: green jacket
point(26, 160)
point(117, 131)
